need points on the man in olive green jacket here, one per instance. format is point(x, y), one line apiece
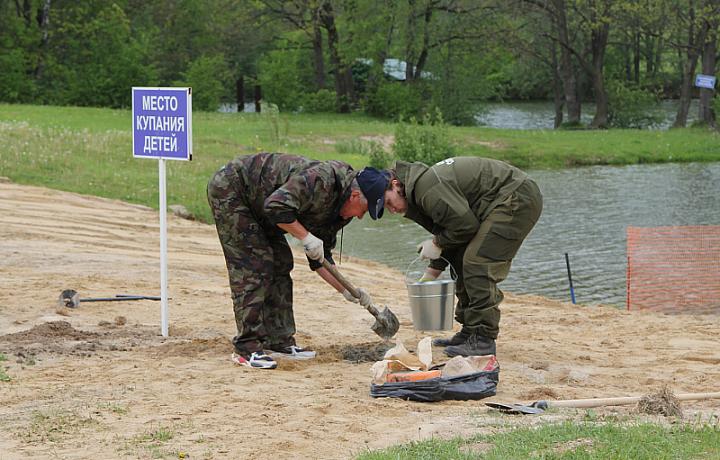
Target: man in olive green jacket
point(480, 211)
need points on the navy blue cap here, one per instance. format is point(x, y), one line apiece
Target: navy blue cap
point(373, 185)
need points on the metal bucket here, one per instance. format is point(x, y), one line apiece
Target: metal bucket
point(432, 302)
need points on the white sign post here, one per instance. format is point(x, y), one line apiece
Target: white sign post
point(162, 130)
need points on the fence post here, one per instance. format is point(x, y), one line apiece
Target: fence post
point(572, 292)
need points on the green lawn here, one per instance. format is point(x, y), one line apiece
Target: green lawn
point(89, 150)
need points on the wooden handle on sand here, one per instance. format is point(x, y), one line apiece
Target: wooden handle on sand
point(581, 403)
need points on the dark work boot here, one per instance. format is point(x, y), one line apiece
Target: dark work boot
point(475, 345)
point(457, 339)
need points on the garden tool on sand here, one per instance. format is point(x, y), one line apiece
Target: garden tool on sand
point(70, 298)
point(539, 406)
point(386, 323)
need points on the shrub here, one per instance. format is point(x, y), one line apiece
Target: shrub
point(353, 147)
point(379, 158)
point(429, 142)
point(572, 124)
point(396, 100)
point(95, 60)
point(280, 77)
point(321, 101)
point(630, 107)
point(206, 76)
point(278, 126)
point(15, 84)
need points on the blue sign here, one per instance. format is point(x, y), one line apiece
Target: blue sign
point(162, 123)
point(705, 81)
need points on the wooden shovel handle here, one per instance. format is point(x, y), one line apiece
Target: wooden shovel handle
point(346, 284)
point(584, 403)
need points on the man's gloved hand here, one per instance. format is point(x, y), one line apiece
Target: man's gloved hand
point(350, 297)
point(313, 247)
point(427, 277)
point(428, 250)
point(365, 299)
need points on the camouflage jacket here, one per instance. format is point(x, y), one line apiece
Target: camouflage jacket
point(281, 188)
point(452, 197)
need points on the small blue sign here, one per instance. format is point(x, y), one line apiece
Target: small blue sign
point(705, 81)
point(162, 123)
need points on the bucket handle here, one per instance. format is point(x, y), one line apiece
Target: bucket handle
point(452, 269)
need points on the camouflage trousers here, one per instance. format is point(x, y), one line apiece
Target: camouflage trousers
point(485, 261)
point(259, 262)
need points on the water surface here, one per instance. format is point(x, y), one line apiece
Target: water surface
point(586, 214)
point(541, 114)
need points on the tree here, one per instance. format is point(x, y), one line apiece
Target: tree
point(706, 113)
point(93, 57)
point(548, 23)
point(694, 27)
point(343, 85)
point(21, 41)
point(311, 17)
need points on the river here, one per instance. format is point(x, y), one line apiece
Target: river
point(541, 114)
point(534, 114)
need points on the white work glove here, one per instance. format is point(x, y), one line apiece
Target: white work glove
point(428, 277)
point(350, 297)
point(428, 250)
point(313, 247)
point(365, 299)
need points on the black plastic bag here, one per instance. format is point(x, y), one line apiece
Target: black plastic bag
point(478, 385)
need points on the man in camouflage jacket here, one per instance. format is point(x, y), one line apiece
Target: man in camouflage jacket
point(255, 200)
point(480, 211)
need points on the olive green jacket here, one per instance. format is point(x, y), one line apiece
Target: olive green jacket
point(451, 198)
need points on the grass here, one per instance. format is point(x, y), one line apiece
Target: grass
point(115, 407)
point(55, 425)
point(587, 439)
point(89, 150)
point(4, 377)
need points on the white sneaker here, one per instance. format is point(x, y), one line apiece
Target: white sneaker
point(258, 360)
point(292, 352)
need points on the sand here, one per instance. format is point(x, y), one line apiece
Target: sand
point(100, 381)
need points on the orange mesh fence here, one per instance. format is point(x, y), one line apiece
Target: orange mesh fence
point(674, 269)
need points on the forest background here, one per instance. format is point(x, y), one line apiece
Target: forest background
point(390, 59)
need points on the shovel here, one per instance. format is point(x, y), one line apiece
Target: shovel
point(386, 323)
point(538, 406)
point(70, 298)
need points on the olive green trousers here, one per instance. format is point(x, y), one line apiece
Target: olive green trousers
point(485, 261)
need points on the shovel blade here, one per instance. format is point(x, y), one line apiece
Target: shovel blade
point(386, 324)
point(514, 408)
point(69, 298)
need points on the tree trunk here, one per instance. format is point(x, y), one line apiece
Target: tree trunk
point(568, 75)
point(44, 23)
point(349, 84)
point(599, 39)
point(328, 19)
point(410, 45)
point(424, 53)
point(318, 57)
point(557, 90)
point(706, 113)
point(636, 58)
point(693, 53)
point(685, 91)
